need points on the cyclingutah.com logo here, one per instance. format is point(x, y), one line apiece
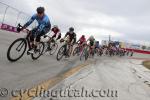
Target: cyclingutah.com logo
point(3, 92)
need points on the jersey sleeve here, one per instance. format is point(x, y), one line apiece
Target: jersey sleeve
point(66, 34)
point(75, 35)
point(30, 21)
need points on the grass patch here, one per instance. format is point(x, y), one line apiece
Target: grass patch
point(146, 64)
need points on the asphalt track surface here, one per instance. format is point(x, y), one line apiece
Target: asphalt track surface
point(98, 73)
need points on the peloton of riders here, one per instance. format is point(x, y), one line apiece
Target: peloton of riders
point(44, 26)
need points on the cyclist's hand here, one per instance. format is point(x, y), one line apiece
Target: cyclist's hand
point(76, 43)
point(61, 40)
point(93, 47)
point(45, 36)
point(19, 29)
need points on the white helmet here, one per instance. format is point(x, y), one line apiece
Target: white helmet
point(91, 37)
point(55, 26)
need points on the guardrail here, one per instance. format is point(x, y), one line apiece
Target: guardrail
point(10, 17)
point(138, 51)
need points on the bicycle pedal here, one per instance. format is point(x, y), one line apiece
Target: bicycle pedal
point(28, 53)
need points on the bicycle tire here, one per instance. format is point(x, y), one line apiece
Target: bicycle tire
point(59, 51)
point(32, 55)
point(10, 47)
point(51, 53)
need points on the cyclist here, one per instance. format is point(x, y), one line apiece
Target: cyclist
point(72, 39)
point(91, 43)
point(81, 42)
point(55, 35)
point(43, 27)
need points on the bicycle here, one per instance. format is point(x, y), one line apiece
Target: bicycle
point(65, 50)
point(84, 53)
point(77, 50)
point(50, 47)
point(21, 45)
point(98, 51)
point(91, 51)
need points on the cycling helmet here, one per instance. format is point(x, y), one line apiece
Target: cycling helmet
point(71, 29)
point(40, 10)
point(91, 37)
point(83, 36)
point(55, 26)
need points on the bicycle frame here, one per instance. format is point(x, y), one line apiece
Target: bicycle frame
point(67, 45)
point(27, 40)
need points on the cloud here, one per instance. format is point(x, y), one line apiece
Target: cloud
point(126, 20)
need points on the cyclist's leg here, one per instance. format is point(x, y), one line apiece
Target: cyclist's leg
point(80, 47)
point(32, 37)
point(43, 32)
point(70, 47)
point(38, 37)
point(89, 47)
point(51, 39)
point(66, 47)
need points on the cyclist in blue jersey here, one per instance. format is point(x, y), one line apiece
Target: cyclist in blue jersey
point(43, 27)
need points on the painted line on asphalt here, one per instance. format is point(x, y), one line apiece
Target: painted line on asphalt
point(36, 90)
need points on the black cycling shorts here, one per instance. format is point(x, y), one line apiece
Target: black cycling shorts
point(35, 34)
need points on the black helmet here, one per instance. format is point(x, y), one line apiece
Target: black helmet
point(71, 29)
point(40, 10)
point(83, 36)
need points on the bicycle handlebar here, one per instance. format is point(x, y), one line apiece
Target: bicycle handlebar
point(20, 28)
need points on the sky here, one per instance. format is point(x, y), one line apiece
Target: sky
point(124, 20)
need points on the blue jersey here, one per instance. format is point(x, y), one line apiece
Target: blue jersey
point(42, 22)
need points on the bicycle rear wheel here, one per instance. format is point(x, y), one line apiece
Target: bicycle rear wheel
point(53, 47)
point(19, 46)
point(38, 51)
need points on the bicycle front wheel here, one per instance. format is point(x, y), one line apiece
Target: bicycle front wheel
point(84, 55)
point(60, 53)
point(76, 51)
point(16, 50)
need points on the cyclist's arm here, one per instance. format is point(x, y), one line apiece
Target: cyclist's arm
point(72, 41)
point(30, 21)
point(87, 39)
point(75, 38)
point(78, 41)
point(58, 35)
point(94, 42)
point(66, 35)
